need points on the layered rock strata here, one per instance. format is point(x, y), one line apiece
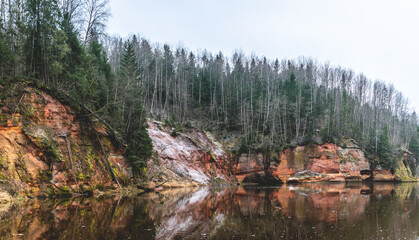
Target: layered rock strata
point(46, 148)
point(192, 157)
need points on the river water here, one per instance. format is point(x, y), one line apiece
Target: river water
point(306, 211)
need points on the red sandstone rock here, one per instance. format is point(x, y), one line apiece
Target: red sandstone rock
point(383, 175)
point(331, 162)
point(36, 145)
point(328, 161)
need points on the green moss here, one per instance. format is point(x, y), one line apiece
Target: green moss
point(218, 181)
point(81, 177)
point(313, 151)
point(3, 163)
point(53, 151)
point(83, 212)
point(64, 190)
point(44, 138)
point(45, 175)
point(73, 145)
point(403, 172)
point(299, 160)
point(4, 118)
point(20, 161)
point(27, 111)
point(15, 120)
point(99, 187)
point(143, 170)
point(21, 167)
point(212, 155)
point(3, 177)
point(106, 144)
point(348, 158)
point(89, 161)
point(116, 171)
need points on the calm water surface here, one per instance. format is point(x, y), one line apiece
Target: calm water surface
point(310, 211)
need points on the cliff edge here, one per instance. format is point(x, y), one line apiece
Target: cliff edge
point(46, 148)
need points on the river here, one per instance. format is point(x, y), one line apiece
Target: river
point(304, 211)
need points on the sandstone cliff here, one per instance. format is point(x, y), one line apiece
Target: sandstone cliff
point(326, 162)
point(341, 162)
point(195, 157)
point(191, 157)
point(46, 148)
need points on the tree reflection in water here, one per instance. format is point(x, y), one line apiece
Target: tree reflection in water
point(306, 211)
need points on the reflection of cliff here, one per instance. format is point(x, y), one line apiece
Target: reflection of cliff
point(78, 219)
point(322, 203)
point(188, 215)
point(319, 211)
point(181, 213)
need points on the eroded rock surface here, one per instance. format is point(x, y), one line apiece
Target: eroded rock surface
point(327, 162)
point(253, 168)
point(312, 163)
point(46, 148)
point(190, 158)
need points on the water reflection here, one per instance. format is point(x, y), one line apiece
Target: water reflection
point(309, 211)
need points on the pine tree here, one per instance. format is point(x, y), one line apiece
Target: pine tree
point(41, 45)
point(384, 149)
point(139, 142)
point(414, 143)
point(6, 55)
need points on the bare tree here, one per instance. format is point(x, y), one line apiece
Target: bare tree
point(73, 9)
point(96, 14)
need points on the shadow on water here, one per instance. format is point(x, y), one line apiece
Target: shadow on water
point(304, 211)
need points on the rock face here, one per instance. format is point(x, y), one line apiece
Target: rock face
point(327, 162)
point(195, 157)
point(383, 175)
point(405, 170)
point(45, 148)
point(254, 168)
point(342, 162)
point(312, 163)
point(189, 158)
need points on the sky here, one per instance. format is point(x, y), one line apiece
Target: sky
point(379, 38)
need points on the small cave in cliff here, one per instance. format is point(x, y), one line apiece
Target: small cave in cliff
point(262, 179)
point(366, 175)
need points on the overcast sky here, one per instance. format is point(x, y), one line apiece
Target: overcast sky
point(379, 38)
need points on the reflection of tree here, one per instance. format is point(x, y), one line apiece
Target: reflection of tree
point(141, 226)
point(314, 211)
point(405, 191)
point(79, 219)
point(388, 212)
